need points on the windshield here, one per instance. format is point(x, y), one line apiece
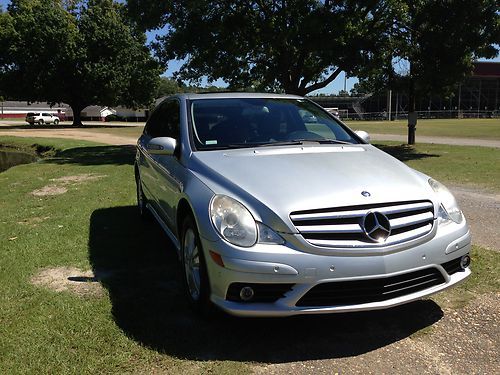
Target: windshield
point(253, 122)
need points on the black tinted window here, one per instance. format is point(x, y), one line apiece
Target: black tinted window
point(165, 121)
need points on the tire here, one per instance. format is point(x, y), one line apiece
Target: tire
point(195, 276)
point(141, 200)
point(56, 122)
point(40, 122)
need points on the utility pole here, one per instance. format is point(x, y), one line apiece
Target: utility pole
point(389, 105)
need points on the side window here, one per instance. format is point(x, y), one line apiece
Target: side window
point(165, 121)
point(153, 124)
point(170, 126)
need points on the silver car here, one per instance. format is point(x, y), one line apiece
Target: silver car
point(277, 208)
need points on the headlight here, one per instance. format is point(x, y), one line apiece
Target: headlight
point(236, 224)
point(233, 221)
point(448, 209)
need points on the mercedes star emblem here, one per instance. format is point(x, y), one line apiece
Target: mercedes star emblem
point(376, 226)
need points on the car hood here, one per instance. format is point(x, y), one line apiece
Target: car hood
point(291, 178)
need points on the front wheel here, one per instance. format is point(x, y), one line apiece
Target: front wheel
point(196, 283)
point(56, 122)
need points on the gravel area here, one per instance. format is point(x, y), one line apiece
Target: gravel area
point(462, 341)
point(482, 210)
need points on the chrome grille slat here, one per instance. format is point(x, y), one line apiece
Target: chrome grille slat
point(334, 214)
point(343, 226)
point(411, 220)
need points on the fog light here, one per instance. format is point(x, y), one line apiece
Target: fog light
point(465, 261)
point(246, 293)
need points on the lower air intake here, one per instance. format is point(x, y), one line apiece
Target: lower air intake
point(373, 290)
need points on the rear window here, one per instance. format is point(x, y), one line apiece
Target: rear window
point(30, 114)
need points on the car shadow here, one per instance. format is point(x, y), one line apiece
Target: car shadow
point(96, 155)
point(405, 152)
point(136, 262)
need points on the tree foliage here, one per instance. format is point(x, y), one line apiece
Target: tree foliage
point(77, 52)
point(296, 46)
point(431, 47)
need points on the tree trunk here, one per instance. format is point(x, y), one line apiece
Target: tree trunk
point(412, 113)
point(77, 111)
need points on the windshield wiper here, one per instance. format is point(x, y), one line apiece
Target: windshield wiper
point(323, 141)
point(264, 144)
point(334, 141)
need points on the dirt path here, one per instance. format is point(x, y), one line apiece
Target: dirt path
point(121, 140)
point(438, 140)
point(72, 134)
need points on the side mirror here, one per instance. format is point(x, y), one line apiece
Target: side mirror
point(161, 146)
point(363, 135)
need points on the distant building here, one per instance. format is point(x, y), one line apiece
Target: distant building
point(19, 109)
point(16, 109)
point(478, 96)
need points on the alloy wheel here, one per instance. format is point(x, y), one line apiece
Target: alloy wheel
point(192, 264)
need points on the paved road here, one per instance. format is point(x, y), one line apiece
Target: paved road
point(438, 140)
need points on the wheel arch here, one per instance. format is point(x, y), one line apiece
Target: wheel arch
point(183, 209)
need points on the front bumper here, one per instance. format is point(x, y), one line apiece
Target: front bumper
point(294, 264)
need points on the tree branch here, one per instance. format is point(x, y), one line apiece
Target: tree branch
point(320, 85)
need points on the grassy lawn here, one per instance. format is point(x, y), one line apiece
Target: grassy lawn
point(454, 165)
point(463, 128)
point(132, 316)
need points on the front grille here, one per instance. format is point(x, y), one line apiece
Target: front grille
point(343, 226)
point(453, 266)
point(263, 292)
point(373, 290)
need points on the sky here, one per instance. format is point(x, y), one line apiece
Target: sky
point(333, 87)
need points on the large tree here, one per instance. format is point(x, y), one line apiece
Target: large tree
point(431, 47)
point(77, 52)
point(296, 46)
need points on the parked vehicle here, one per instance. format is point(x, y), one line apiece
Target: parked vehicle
point(41, 118)
point(273, 216)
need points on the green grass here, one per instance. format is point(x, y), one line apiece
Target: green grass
point(484, 279)
point(454, 165)
point(141, 323)
point(92, 226)
point(463, 128)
